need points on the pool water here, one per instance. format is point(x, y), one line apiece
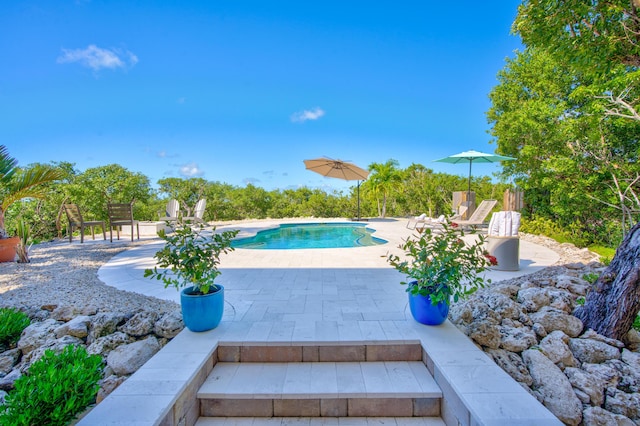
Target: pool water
point(311, 235)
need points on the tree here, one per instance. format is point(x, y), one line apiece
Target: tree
point(384, 179)
point(611, 306)
point(16, 185)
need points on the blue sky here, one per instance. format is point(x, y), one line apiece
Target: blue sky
point(244, 91)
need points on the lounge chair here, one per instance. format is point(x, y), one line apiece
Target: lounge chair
point(198, 213)
point(121, 214)
point(172, 212)
point(77, 221)
point(419, 222)
point(475, 220)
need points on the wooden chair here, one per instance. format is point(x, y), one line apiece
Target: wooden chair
point(198, 213)
point(76, 221)
point(121, 214)
point(172, 213)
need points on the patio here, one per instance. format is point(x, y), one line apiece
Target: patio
point(313, 298)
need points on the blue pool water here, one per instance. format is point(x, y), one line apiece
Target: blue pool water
point(311, 235)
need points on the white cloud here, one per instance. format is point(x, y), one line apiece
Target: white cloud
point(97, 58)
point(250, 180)
point(190, 170)
point(302, 116)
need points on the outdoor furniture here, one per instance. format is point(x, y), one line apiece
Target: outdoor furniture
point(198, 213)
point(121, 214)
point(503, 242)
point(172, 212)
point(76, 221)
point(419, 221)
point(476, 219)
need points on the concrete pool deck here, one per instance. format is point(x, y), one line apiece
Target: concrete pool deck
point(314, 297)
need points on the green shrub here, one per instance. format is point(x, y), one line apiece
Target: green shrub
point(55, 389)
point(580, 301)
point(12, 322)
point(591, 277)
point(636, 323)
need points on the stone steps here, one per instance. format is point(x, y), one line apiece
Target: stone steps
point(320, 421)
point(327, 382)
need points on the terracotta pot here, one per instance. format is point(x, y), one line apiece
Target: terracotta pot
point(8, 249)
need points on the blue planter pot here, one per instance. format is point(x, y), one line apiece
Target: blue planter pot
point(202, 312)
point(427, 313)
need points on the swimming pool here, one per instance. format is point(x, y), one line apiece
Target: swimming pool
point(311, 235)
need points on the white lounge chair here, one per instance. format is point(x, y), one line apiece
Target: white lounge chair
point(172, 212)
point(419, 222)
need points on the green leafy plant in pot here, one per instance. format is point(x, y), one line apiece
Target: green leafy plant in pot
point(16, 185)
point(440, 267)
point(190, 259)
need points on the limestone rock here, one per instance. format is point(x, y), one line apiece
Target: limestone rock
point(596, 416)
point(591, 334)
point(126, 359)
point(627, 404)
point(631, 358)
point(502, 305)
point(555, 347)
point(141, 324)
point(553, 387)
point(169, 325)
point(65, 313)
point(512, 364)
point(516, 339)
point(593, 351)
point(533, 298)
point(590, 384)
point(108, 385)
point(76, 327)
point(485, 334)
point(105, 344)
point(36, 335)
point(3, 395)
point(609, 375)
point(103, 324)
point(8, 360)
point(553, 319)
point(6, 382)
point(56, 345)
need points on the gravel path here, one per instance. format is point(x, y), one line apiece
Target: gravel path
point(66, 274)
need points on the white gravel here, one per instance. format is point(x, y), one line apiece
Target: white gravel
point(66, 274)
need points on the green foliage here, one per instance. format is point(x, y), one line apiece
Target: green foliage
point(636, 323)
point(55, 390)
point(190, 258)
point(591, 277)
point(24, 233)
point(12, 323)
point(442, 265)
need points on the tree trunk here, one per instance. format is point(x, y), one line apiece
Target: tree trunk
point(614, 301)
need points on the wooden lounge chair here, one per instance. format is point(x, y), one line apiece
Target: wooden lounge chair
point(198, 213)
point(76, 221)
point(121, 214)
point(475, 220)
point(172, 213)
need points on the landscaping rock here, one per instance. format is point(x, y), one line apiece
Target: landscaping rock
point(141, 324)
point(627, 404)
point(76, 327)
point(126, 359)
point(517, 339)
point(553, 388)
point(512, 364)
point(105, 344)
point(108, 385)
point(55, 345)
point(103, 324)
point(554, 319)
point(533, 298)
point(8, 360)
point(593, 351)
point(169, 325)
point(37, 334)
point(592, 385)
point(485, 334)
point(6, 382)
point(555, 347)
point(596, 416)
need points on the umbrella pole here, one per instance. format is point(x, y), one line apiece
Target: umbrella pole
point(358, 200)
point(469, 186)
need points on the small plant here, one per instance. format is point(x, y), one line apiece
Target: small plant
point(441, 265)
point(55, 389)
point(12, 323)
point(189, 258)
point(636, 323)
point(591, 277)
point(581, 300)
point(24, 233)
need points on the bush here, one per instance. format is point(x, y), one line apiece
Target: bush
point(12, 322)
point(55, 390)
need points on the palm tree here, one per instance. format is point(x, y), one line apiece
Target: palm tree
point(384, 179)
point(15, 186)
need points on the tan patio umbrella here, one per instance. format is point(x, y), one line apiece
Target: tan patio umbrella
point(338, 169)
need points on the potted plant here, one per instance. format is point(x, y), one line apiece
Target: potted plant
point(190, 259)
point(441, 267)
point(16, 185)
